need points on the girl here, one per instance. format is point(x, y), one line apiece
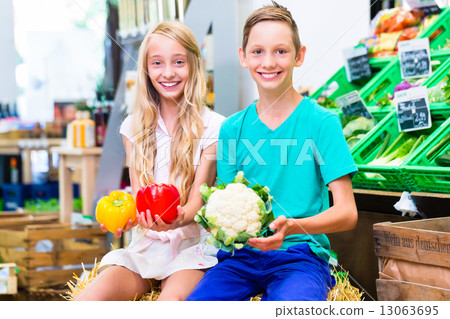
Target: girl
point(169, 137)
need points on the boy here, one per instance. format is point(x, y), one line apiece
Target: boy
point(296, 148)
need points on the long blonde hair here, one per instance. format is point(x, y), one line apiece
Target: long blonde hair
point(189, 127)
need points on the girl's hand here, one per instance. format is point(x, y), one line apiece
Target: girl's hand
point(145, 220)
point(130, 224)
point(276, 240)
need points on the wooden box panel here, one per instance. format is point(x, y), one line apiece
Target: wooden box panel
point(422, 241)
point(394, 290)
point(70, 246)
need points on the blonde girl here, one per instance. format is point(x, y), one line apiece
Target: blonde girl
point(169, 137)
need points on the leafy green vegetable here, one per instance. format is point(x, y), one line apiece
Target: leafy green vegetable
point(358, 125)
point(327, 103)
point(384, 101)
point(444, 159)
point(396, 157)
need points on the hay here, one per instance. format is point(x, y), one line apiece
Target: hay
point(81, 283)
point(342, 291)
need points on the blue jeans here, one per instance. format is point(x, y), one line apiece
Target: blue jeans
point(293, 274)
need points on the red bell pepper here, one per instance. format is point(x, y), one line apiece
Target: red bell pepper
point(160, 199)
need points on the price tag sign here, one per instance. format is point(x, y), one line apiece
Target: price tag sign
point(357, 63)
point(413, 111)
point(415, 61)
point(352, 104)
point(416, 4)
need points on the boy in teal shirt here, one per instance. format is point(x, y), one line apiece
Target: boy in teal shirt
point(296, 148)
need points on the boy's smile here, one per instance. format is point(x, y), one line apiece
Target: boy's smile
point(270, 56)
point(269, 75)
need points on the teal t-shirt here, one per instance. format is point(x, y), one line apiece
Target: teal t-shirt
point(296, 161)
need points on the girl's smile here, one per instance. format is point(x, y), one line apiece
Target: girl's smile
point(170, 85)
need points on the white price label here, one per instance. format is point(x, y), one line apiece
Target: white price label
point(352, 104)
point(415, 61)
point(413, 111)
point(415, 4)
point(357, 63)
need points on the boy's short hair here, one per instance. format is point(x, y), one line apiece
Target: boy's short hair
point(273, 12)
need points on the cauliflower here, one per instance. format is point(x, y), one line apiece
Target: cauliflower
point(234, 213)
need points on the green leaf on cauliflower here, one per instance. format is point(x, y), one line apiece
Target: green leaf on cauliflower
point(234, 213)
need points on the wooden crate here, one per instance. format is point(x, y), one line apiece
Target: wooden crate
point(8, 284)
point(71, 246)
point(421, 244)
point(16, 220)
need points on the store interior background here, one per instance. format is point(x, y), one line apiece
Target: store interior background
point(53, 53)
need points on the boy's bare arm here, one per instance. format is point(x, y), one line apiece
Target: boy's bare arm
point(342, 216)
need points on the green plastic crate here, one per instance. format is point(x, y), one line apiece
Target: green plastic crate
point(339, 79)
point(383, 177)
point(390, 76)
point(442, 23)
point(441, 72)
point(422, 169)
point(376, 113)
point(439, 75)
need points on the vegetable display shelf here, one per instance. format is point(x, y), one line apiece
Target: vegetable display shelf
point(422, 168)
point(385, 81)
point(339, 84)
point(438, 76)
point(386, 139)
point(443, 56)
point(442, 25)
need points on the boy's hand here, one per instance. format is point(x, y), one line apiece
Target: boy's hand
point(276, 240)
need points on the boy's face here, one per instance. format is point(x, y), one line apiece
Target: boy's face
point(270, 56)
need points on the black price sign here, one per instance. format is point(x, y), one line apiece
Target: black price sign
point(357, 63)
point(413, 111)
point(426, 6)
point(351, 104)
point(414, 58)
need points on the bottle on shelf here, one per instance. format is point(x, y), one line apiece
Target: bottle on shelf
point(8, 110)
point(4, 111)
point(99, 126)
point(14, 112)
point(14, 171)
point(83, 130)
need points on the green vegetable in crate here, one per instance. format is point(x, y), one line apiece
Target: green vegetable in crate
point(396, 157)
point(358, 125)
point(446, 90)
point(384, 101)
point(441, 91)
point(234, 213)
point(443, 160)
point(327, 102)
point(353, 140)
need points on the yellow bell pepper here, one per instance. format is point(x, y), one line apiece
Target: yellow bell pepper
point(115, 210)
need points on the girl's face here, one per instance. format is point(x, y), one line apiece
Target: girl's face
point(167, 66)
point(270, 56)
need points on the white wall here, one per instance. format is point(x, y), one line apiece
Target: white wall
point(8, 88)
point(326, 27)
